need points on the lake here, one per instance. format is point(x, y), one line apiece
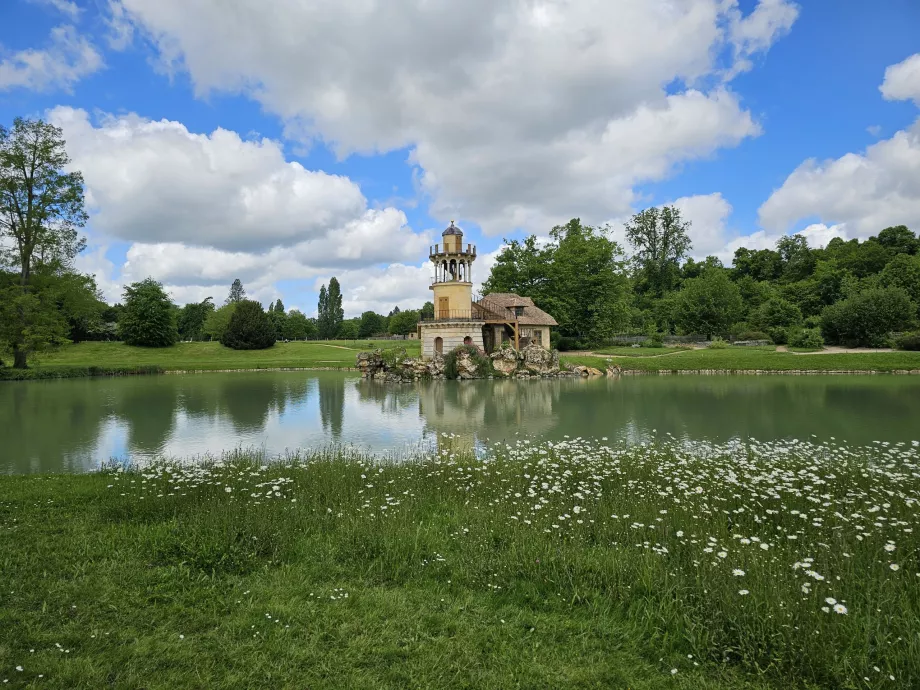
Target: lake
point(72, 425)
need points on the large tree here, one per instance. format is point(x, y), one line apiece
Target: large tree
point(329, 310)
point(660, 240)
point(148, 319)
point(192, 318)
point(404, 322)
point(521, 268)
point(249, 328)
point(237, 293)
point(372, 323)
point(41, 210)
point(708, 305)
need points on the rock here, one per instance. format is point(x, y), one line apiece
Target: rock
point(505, 360)
point(540, 360)
point(580, 370)
point(594, 372)
point(613, 370)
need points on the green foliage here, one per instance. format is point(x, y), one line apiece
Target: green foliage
point(779, 334)
point(660, 240)
point(483, 363)
point(760, 265)
point(394, 356)
point(718, 344)
point(899, 240)
point(237, 293)
point(404, 322)
point(903, 272)
point(797, 260)
point(298, 327)
point(427, 310)
point(908, 341)
point(329, 310)
point(148, 319)
point(249, 328)
point(809, 338)
point(215, 325)
point(372, 323)
point(709, 305)
point(348, 330)
point(866, 319)
point(776, 313)
point(192, 318)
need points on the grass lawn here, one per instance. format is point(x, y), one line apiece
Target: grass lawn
point(742, 358)
point(567, 565)
point(639, 351)
point(213, 355)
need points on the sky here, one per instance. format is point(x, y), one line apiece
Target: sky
point(287, 142)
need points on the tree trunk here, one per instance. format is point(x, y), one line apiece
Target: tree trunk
point(19, 358)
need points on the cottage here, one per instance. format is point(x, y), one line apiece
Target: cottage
point(484, 321)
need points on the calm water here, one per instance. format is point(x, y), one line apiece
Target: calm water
point(71, 425)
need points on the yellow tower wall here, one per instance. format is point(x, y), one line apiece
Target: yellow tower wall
point(459, 298)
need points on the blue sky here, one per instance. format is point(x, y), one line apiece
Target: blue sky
point(330, 138)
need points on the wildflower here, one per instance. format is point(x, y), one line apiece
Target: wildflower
point(830, 601)
point(840, 608)
point(743, 592)
point(738, 572)
point(894, 566)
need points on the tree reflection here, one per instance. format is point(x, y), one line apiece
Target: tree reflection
point(332, 403)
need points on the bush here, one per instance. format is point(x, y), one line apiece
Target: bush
point(779, 336)
point(908, 341)
point(483, 363)
point(752, 335)
point(718, 344)
point(249, 328)
point(866, 319)
point(653, 341)
point(807, 338)
point(148, 318)
point(566, 343)
point(777, 313)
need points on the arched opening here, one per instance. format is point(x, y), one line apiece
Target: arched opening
point(439, 345)
point(467, 340)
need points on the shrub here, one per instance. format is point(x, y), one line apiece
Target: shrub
point(483, 363)
point(653, 341)
point(249, 328)
point(752, 335)
point(148, 318)
point(566, 343)
point(777, 313)
point(866, 319)
point(908, 341)
point(779, 335)
point(718, 344)
point(808, 338)
point(393, 356)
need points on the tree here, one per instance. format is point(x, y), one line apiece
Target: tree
point(41, 209)
point(329, 311)
point(279, 306)
point(404, 322)
point(903, 272)
point(866, 319)
point(192, 318)
point(215, 325)
point(708, 305)
point(348, 330)
point(237, 293)
point(278, 318)
point(297, 326)
point(797, 259)
point(372, 323)
point(521, 268)
point(660, 240)
point(777, 313)
point(393, 312)
point(249, 328)
point(762, 265)
point(148, 319)
point(899, 240)
point(427, 311)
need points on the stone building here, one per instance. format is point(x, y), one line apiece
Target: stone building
point(484, 321)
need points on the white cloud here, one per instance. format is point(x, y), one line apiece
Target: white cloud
point(708, 215)
point(517, 113)
point(902, 81)
point(68, 7)
point(866, 191)
point(68, 58)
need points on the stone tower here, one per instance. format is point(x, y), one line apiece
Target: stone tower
point(453, 282)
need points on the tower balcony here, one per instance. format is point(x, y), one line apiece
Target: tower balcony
point(439, 250)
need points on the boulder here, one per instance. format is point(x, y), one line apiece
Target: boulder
point(505, 360)
point(540, 360)
point(466, 367)
point(591, 371)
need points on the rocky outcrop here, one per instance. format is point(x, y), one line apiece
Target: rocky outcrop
point(531, 362)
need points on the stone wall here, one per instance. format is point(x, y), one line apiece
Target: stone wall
point(452, 333)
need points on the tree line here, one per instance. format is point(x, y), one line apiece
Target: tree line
point(852, 292)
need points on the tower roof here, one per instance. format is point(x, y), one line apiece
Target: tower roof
point(452, 230)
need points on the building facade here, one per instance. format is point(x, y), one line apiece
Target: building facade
point(460, 318)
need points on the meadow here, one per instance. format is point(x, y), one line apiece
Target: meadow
point(578, 563)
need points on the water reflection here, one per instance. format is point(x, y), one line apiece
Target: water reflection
point(67, 426)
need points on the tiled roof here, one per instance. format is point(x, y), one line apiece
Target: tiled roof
point(532, 316)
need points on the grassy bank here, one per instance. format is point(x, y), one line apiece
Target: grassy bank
point(73, 372)
point(745, 358)
point(334, 354)
point(566, 565)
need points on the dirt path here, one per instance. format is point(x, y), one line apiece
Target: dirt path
point(337, 347)
point(601, 354)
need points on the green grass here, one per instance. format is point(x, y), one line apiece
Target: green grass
point(335, 354)
point(751, 358)
point(439, 572)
